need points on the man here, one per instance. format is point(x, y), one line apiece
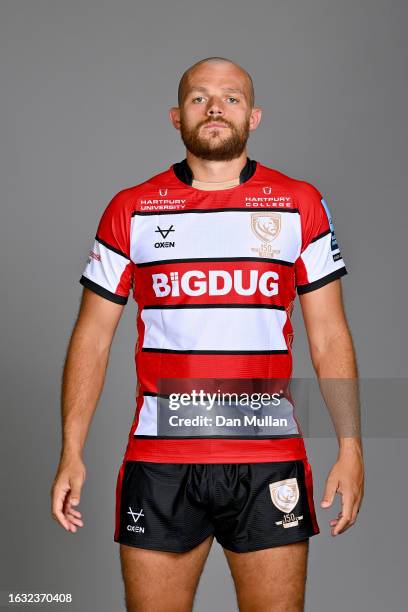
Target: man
point(215, 249)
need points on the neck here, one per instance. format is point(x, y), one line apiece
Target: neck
point(215, 171)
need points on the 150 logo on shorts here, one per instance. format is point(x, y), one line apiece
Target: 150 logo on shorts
point(285, 496)
point(215, 282)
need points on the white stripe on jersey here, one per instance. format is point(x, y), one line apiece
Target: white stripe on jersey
point(217, 329)
point(318, 259)
point(107, 271)
point(148, 426)
point(214, 234)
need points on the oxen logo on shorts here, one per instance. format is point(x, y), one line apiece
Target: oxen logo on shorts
point(285, 494)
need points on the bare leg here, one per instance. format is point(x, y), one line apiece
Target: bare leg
point(270, 580)
point(157, 581)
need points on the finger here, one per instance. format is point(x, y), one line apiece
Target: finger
point(68, 513)
point(345, 517)
point(57, 507)
point(70, 508)
point(74, 512)
point(329, 493)
point(74, 497)
point(335, 520)
point(355, 512)
point(75, 494)
point(75, 521)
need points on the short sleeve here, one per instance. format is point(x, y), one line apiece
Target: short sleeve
point(108, 271)
point(320, 260)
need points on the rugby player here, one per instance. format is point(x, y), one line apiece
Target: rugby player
point(215, 249)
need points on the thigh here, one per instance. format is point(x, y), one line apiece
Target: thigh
point(157, 581)
point(272, 579)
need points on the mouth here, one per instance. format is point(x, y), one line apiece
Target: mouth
point(216, 125)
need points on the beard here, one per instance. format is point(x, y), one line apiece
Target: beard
point(215, 148)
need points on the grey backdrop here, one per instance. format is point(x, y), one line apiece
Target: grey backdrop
point(85, 89)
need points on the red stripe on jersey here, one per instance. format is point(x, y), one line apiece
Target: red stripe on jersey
point(150, 366)
point(125, 280)
point(205, 450)
point(301, 272)
point(283, 273)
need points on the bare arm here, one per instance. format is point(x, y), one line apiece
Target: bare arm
point(333, 358)
point(82, 384)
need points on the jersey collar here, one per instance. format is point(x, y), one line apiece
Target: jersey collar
point(183, 171)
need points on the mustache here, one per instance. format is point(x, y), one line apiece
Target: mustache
point(208, 121)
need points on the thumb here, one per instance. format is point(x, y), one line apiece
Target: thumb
point(75, 494)
point(329, 493)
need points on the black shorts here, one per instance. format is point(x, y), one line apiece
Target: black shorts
point(247, 506)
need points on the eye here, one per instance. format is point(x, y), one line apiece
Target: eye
point(234, 100)
point(199, 98)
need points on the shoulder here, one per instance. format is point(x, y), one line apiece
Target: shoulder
point(305, 193)
point(127, 198)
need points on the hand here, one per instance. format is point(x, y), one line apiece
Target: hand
point(346, 478)
point(66, 493)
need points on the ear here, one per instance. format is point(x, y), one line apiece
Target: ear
point(255, 118)
point(174, 114)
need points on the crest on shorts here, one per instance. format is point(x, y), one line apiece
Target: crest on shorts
point(285, 494)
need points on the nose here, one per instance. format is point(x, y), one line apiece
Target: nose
point(215, 108)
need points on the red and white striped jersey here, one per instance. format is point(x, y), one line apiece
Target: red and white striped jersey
point(215, 275)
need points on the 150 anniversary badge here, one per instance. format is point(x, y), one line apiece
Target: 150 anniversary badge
point(266, 226)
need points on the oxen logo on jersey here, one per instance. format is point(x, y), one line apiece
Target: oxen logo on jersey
point(285, 494)
point(163, 192)
point(164, 233)
point(267, 190)
point(266, 226)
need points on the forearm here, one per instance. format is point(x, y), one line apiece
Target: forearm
point(82, 384)
point(337, 371)
point(335, 358)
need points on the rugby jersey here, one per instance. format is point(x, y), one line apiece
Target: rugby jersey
point(214, 275)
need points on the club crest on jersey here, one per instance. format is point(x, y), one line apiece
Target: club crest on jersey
point(163, 192)
point(267, 190)
point(266, 226)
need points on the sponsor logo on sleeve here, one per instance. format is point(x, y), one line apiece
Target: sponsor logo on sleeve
point(334, 244)
point(93, 255)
